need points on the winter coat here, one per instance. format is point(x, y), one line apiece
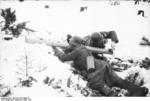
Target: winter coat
point(103, 77)
point(79, 56)
point(107, 35)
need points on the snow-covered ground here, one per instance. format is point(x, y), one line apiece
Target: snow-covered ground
point(54, 23)
point(65, 18)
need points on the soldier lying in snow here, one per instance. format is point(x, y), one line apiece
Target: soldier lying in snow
point(102, 78)
point(99, 40)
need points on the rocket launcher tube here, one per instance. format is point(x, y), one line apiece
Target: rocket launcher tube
point(64, 45)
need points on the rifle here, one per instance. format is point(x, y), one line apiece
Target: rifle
point(65, 45)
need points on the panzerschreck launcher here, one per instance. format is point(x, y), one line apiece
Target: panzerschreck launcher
point(65, 45)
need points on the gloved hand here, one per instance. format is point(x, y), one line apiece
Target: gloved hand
point(56, 51)
point(68, 37)
point(110, 50)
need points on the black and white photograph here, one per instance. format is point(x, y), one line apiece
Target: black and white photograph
point(74, 48)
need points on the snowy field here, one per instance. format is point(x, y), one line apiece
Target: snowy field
point(54, 23)
point(65, 18)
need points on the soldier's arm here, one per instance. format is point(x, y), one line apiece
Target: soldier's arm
point(67, 50)
point(67, 57)
point(111, 35)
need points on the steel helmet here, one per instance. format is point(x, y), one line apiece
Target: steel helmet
point(97, 37)
point(75, 40)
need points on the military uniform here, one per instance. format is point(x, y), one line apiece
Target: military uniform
point(106, 35)
point(103, 77)
point(99, 39)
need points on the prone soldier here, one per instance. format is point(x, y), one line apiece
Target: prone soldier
point(99, 40)
point(102, 78)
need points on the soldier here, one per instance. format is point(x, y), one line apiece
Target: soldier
point(103, 78)
point(99, 39)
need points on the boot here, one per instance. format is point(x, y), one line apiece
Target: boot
point(139, 91)
point(133, 89)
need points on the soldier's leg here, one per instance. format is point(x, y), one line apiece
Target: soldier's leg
point(133, 89)
point(101, 58)
point(96, 81)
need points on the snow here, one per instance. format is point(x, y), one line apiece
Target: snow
point(54, 24)
point(143, 73)
point(43, 65)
